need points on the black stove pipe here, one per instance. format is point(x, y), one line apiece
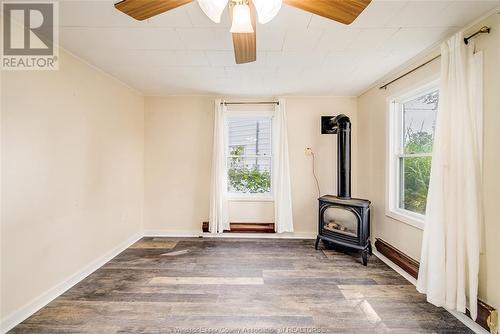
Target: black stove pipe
point(341, 125)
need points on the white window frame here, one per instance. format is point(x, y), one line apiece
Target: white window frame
point(394, 153)
point(248, 197)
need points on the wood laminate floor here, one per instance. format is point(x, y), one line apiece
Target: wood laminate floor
point(195, 285)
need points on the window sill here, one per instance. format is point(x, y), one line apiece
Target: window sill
point(406, 218)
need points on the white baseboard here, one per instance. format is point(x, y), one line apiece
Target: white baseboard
point(184, 234)
point(172, 234)
point(26, 311)
point(395, 267)
point(460, 316)
point(293, 235)
point(469, 322)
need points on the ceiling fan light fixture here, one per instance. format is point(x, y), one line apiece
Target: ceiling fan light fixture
point(213, 8)
point(242, 20)
point(267, 9)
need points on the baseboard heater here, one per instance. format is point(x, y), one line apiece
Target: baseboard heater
point(487, 316)
point(245, 227)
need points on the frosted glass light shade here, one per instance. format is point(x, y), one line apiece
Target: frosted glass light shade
point(267, 9)
point(213, 8)
point(242, 21)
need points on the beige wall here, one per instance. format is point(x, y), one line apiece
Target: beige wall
point(72, 175)
point(372, 149)
point(177, 160)
point(251, 211)
point(178, 147)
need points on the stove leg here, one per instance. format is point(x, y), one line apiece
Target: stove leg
point(316, 244)
point(366, 252)
point(364, 256)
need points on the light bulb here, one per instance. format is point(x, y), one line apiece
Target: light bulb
point(213, 8)
point(267, 9)
point(242, 20)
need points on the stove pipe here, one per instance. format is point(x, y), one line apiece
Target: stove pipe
point(341, 125)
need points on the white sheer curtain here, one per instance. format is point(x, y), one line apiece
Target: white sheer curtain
point(450, 251)
point(219, 212)
point(283, 219)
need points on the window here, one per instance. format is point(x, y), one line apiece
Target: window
point(412, 125)
point(249, 155)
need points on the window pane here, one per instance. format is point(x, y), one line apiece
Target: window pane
point(249, 175)
point(249, 135)
point(414, 176)
point(419, 119)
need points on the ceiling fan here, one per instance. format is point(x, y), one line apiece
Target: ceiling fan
point(244, 13)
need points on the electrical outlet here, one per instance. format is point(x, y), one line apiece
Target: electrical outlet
point(308, 151)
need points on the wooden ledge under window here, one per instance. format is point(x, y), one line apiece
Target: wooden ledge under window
point(246, 227)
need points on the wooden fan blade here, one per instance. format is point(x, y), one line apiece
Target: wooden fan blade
point(343, 11)
point(245, 45)
point(144, 9)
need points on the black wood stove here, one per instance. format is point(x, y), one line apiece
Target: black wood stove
point(343, 221)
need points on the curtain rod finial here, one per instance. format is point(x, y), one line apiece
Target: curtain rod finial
point(483, 30)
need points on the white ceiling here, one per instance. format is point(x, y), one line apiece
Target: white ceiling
point(182, 52)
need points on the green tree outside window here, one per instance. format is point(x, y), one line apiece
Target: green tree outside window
point(244, 179)
point(416, 170)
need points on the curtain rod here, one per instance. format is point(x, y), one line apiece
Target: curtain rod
point(483, 30)
point(260, 102)
point(409, 72)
